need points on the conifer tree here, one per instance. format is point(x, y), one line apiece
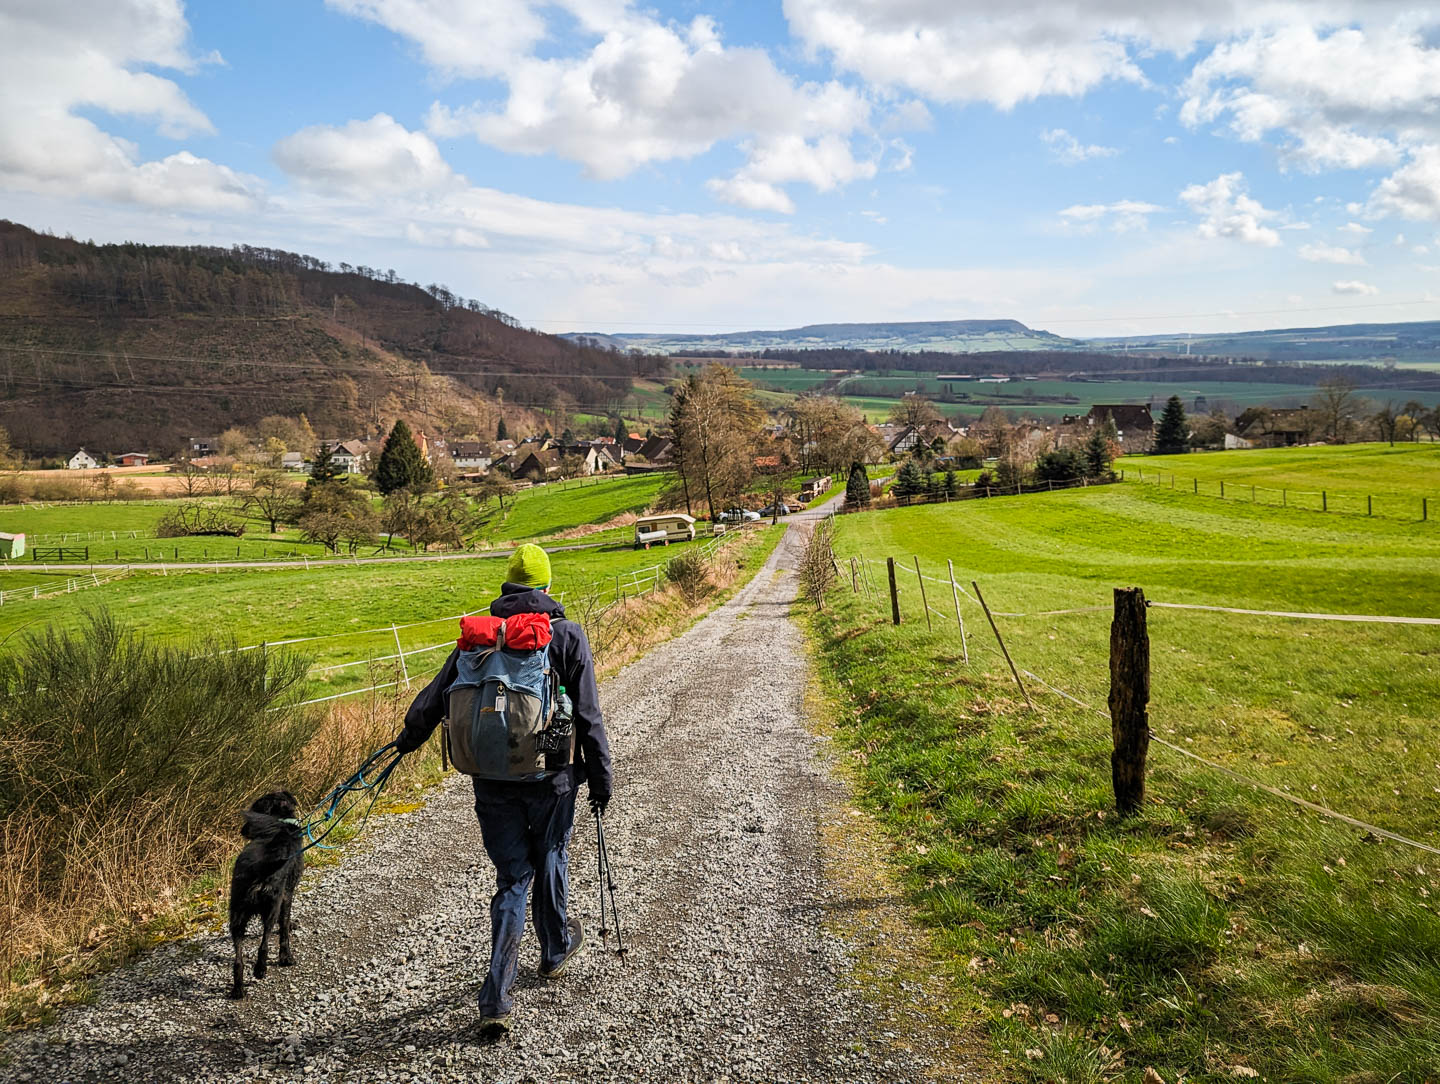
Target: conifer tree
point(401, 465)
point(323, 469)
point(857, 487)
point(910, 481)
point(1099, 450)
point(500, 431)
point(1172, 435)
point(620, 433)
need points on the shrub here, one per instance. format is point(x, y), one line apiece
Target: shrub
point(1060, 465)
point(187, 520)
point(13, 489)
point(690, 574)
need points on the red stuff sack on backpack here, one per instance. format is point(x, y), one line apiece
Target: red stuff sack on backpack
point(527, 632)
point(478, 631)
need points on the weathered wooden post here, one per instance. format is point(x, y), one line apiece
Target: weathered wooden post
point(924, 602)
point(854, 578)
point(955, 596)
point(1129, 699)
point(894, 591)
point(1369, 505)
point(1424, 508)
point(1324, 501)
point(1195, 485)
point(1222, 489)
point(1001, 641)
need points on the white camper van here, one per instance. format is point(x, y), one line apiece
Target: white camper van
point(666, 528)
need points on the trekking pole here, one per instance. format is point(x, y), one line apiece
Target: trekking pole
point(600, 878)
point(609, 882)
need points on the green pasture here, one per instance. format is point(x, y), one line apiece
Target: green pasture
point(1223, 927)
point(1345, 472)
point(544, 510)
point(353, 607)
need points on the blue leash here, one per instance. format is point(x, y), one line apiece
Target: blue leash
point(328, 814)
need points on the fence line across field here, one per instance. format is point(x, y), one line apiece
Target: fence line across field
point(861, 563)
point(1327, 496)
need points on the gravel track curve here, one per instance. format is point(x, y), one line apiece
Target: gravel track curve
point(735, 972)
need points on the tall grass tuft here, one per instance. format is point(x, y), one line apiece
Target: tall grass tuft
point(122, 764)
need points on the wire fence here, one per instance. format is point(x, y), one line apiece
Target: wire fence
point(865, 571)
point(67, 586)
point(589, 603)
point(1382, 505)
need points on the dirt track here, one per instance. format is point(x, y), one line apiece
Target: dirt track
point(744, 939)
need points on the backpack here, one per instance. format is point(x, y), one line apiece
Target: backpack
point(501, 719)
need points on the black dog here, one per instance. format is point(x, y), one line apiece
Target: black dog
point(264, 880)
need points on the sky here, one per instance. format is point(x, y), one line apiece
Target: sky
point(1099, 168)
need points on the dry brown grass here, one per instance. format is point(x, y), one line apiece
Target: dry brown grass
point(624, 519)
point(76, 900)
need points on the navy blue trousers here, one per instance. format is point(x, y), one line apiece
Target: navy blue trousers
point(526, 830)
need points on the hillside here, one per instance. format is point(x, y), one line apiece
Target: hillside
point(1407, 343)
point(134, 347)
point(948, 336)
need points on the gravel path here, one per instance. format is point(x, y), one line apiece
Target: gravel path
point(738, 969)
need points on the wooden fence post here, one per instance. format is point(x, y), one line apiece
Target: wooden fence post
point(955, 595)
point(1004, 650)
point(1195, 485)
point(924, 602)
point(1324, 501)
point(854, 579)
point(1424, 508)
point(1129, 699)
point(894, 592)
point(1369, 505)
point(1222, 489)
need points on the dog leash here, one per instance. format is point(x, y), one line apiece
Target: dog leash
point(328, 814)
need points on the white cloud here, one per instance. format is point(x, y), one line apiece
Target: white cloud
point(1354, 287)
point(1350, 98)
point(1228, 211)
point(638, 90)
point(1319, 253)
point(1122, 216)
point(365, 156)
point(1413, 190)
point(59, 59)
point(1069, 150)
point(1355, 228)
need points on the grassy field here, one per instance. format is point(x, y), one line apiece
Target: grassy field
point(545, 510)
point(1346, 473)
point(1223, 928)
point(121, 531)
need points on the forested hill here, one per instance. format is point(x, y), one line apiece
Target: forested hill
point(952, 336)
point(133, 347)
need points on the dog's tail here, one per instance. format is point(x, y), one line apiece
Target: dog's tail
point(264, 827)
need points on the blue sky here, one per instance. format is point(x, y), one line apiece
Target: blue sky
point(1114, 167)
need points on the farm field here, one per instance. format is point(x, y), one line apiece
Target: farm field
point(337, 602)
point(1411, 468)
point(1224, 927)
point(105, 528)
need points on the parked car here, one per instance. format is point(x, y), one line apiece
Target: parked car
point(766, 513)
point(738, 515)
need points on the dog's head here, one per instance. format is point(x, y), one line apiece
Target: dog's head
point(277, 804)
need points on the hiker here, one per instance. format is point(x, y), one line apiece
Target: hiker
point(525, 825)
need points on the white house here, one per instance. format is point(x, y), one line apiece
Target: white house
point(472, 455)
point(292, 461)
point(350, 456)
point(82, 460)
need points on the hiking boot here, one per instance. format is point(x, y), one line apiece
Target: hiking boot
point(494, 1027)
point(577, 938)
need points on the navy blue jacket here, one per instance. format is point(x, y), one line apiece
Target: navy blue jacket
point(571, 658)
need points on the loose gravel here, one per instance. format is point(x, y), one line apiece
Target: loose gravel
point(735, 970)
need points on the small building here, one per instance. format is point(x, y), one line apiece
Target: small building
point(1282, 428)
point(656, 449)
point(537, 465)
point(132, 459)
point(294, 461)
point(813, 487)
point(471, 455)
point(81, 460)
point(11, 545)
point(200, 447)
point(1134, 425)
point(349, 456)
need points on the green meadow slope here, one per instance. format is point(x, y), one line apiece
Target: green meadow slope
point(1224, 930)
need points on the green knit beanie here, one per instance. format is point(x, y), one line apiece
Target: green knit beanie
point(529, 565)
